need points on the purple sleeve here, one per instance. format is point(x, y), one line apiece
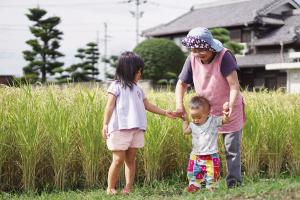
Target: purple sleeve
point(228, 64)
point(186, 74)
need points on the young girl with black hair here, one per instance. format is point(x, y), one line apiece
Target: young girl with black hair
point(124, 121)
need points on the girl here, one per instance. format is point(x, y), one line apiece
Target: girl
point(124, 121)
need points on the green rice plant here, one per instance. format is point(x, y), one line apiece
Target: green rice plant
point(94, 154)
point(293, 134)
point(59, 126)
point(156, 137)
point(27, 129)
point(275, 124)
point(252, 140)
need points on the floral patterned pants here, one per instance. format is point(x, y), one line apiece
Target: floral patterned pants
point(204, 170)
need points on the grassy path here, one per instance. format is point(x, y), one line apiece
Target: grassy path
point(285, 189)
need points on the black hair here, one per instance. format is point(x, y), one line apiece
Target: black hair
point(199, 101)
point(128, 65)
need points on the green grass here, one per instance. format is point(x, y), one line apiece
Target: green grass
point(50, 139)
point(286, 188)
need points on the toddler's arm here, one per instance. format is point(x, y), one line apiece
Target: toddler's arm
point(110, 106)
point(185, 125)
point(226, 112)
point(154, 109)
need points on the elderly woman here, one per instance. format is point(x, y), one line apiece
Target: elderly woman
point(212, 70)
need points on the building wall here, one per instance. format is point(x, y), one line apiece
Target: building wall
point(293, 80)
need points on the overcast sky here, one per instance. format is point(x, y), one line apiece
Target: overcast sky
point(81, 20)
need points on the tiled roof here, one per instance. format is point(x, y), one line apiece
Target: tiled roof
point(259, 60)
point(235, 13)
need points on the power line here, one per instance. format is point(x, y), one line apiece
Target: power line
point(137, 14)
point(58, 5)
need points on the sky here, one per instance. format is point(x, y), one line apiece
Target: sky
point(82, 21)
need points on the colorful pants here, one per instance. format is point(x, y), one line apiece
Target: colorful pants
point(204, 170)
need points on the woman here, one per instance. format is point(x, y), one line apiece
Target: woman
point(212, 70)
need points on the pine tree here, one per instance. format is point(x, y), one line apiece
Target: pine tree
point(92, 57)
point(222, 35)
point(86, 69)
point(78, 72)
point(44, 54)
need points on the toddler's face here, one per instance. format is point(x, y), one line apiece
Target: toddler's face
point(199, 115)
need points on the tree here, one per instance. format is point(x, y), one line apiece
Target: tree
point(222, 34)
point(44, 54)
point(112, 61)
point(92, 57)
point(163, 59)
point(86, 69)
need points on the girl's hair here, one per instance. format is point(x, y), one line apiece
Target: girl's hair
point(128, 65)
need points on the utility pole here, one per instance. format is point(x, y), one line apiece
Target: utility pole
point(137, 14)
point(105, 49)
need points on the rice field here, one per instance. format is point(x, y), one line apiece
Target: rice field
point(50, 139)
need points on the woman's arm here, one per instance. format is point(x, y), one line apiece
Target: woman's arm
point(110, 106)
point(234, 85)
point(179, 93)
point(154, 109)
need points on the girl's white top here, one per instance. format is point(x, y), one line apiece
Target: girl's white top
point(205, 136)
point(130, 110)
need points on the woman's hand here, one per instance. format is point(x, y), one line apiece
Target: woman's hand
point(180, 112)
point(105, 132)
point(171, 114)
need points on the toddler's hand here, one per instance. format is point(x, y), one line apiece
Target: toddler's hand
point(226, 109)
point(171, 114)
point(105, 132)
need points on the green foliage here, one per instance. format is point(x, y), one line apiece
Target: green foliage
point(86, 69)
point(222, 35)
point(44, 52)
point(163, 59)
point(47, 143)
point(112, 61)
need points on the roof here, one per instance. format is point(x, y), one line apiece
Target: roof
point(224, 14)
point(259, 60)
point(285, 34)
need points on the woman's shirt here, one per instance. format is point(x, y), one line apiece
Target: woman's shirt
point(228, 64)
point(130, 110)
point(210, 82)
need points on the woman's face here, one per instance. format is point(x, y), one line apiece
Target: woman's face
point(204, 54)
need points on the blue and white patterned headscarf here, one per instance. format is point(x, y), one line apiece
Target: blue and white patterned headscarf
point(195, 42)
point(201, 38)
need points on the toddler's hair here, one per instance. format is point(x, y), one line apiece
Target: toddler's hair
point(128, 65)
point(199, 101)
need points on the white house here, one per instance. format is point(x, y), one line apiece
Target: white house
point(292, 70)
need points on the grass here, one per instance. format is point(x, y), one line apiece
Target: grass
point(285, 188)
point(50, 139)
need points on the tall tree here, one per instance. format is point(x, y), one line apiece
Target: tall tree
point(86, 69)
point(222, 34)
point(92, 57)
point(78, 72)
point(43, 56)
point(112, 61)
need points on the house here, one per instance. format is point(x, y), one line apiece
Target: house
point(293, 72)
point(268, 29)
point(6, 79)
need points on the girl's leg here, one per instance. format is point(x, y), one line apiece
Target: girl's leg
point(130, 168)
point(113, 173)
